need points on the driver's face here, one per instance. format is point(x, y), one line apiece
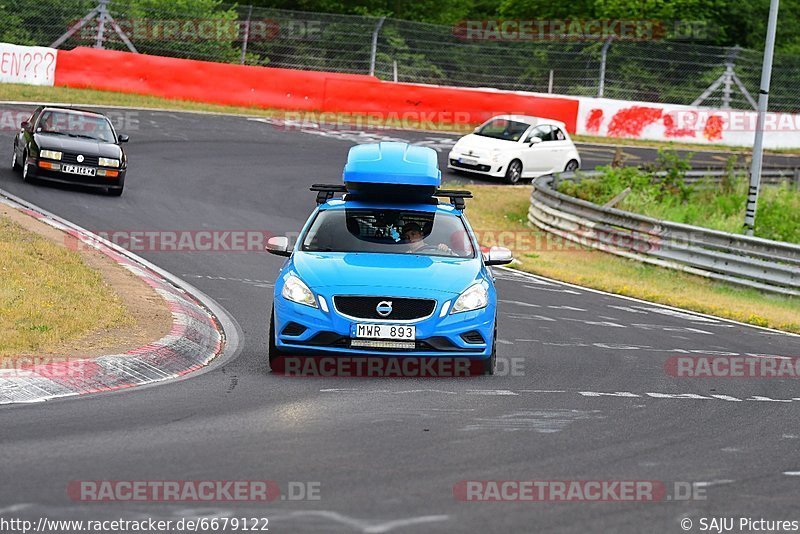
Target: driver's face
point(413, 236)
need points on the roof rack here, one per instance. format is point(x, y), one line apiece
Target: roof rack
point(456, 196)
point(325, 192)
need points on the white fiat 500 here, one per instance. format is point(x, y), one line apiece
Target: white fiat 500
point(515, 147)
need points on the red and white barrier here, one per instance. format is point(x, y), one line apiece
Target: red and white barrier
point(290, 89)
point(32, 65)
point(623, 119)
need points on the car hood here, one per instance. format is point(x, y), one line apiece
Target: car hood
point(480, 144)
point(77, 145)
point(379, 272)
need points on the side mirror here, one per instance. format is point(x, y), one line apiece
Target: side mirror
point(24, 125)
point(123, 138)
point(279, 245)
point(498, 256)
point(534, 141)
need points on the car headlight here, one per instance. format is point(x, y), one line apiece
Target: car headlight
point(50, 154)
point(295, 290)
point(474, 297)
point(108, 162)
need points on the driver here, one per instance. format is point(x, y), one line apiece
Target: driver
point(412, 234)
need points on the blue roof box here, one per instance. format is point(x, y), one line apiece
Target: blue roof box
point(392, 168)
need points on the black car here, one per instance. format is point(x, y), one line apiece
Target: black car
point(71, 146)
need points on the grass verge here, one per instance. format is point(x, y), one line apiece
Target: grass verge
point(18, 92)
point(48, 296)
point(499, 216)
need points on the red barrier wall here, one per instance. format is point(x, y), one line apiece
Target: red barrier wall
point(221, 83)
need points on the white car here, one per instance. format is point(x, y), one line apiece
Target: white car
point(515, 147)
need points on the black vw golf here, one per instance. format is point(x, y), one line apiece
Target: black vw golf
point(71, 146)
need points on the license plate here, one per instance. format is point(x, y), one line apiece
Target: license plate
point(77, 169)
point(386, 331)
point(468, 161)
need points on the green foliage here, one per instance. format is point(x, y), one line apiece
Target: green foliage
point(718, 205)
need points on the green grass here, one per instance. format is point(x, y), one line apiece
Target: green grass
point(499, 216)
point(720, 206)
point(48, 296)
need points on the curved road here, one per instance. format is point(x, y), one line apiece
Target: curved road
point(589, 398)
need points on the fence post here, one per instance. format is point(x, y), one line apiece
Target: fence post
point(394, 70)
point(375, 46)
point(601, 86)
point(550, 83)
point(246, 31)
point(102, 9)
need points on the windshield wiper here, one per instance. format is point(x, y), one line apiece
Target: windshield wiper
point(52, 132)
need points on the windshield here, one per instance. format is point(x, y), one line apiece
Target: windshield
point(388, 231)
point(76, 125)
point(503, 129)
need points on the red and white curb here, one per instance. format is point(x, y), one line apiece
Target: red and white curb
point(196, 338)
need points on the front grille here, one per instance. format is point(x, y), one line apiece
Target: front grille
point(403, 309)
point(481, 168)
point(72, 159)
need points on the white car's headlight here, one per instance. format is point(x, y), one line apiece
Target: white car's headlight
point(108, 162)
point(474, 297)
point(295, 290)
point(50, 154)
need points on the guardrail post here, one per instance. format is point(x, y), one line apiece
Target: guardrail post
point(796, 178)
point(375, 46)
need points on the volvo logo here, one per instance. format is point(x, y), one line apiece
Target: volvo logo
point(80, 158)
point(384, 308)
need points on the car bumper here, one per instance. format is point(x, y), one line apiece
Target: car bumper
point(481, 166)
point(307, 330)
point(35, 171)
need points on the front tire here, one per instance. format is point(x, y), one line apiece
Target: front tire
point(514, 172)
point(275, 355)
point(490, 363)
point(25, 176)
point(572, 166)
point(14, 163)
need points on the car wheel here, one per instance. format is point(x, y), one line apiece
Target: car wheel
point(25, 177)
point(276, 356)
point(490, 363)
point(572, 166)
point(14, 163)
point(514, 172)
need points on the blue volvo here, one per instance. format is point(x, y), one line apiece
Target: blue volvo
point(386, 265)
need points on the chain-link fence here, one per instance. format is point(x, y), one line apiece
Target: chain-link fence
point(676, 72)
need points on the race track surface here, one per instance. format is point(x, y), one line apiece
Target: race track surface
point(387, 452)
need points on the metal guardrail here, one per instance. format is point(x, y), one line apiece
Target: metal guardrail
point(763, 264)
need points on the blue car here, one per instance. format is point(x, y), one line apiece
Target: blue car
point(386, 268)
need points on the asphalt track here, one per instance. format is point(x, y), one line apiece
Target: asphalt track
point(387, 452)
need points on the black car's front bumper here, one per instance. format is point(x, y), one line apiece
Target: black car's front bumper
point(39, 173)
